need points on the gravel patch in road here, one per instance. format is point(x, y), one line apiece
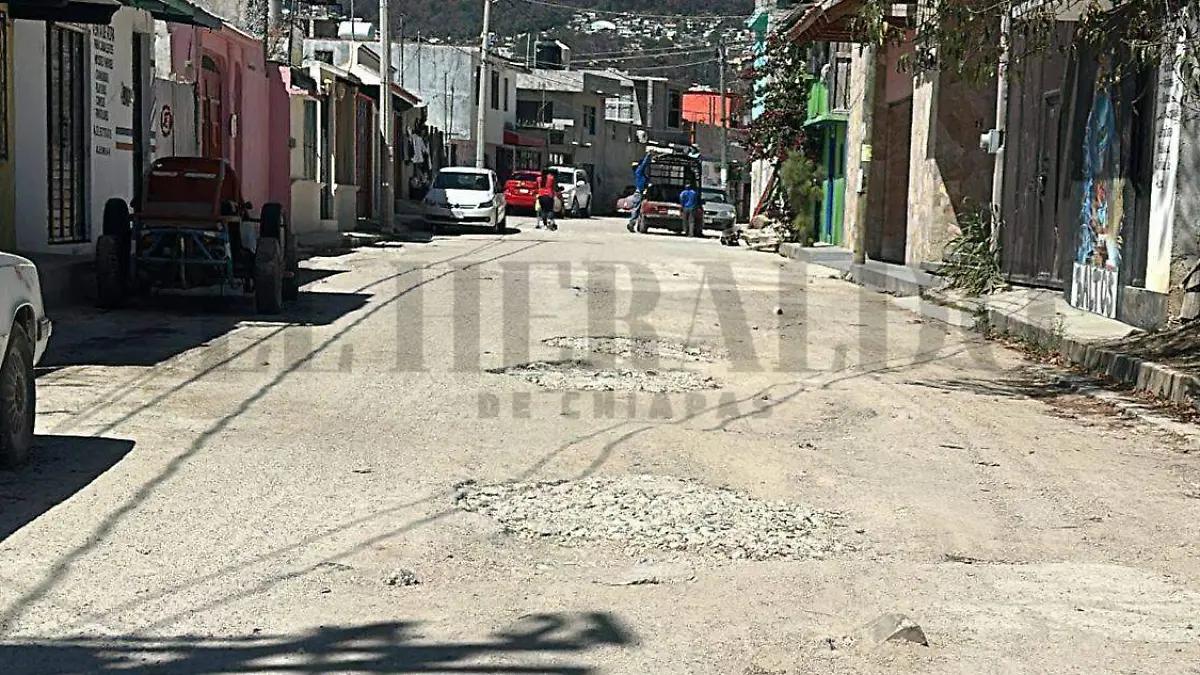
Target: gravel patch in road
point(580, 375)
point(636, 348)
point(642, 512)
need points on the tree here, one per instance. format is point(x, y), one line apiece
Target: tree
point(800, 176)
point(782, 82)
point(962, 36)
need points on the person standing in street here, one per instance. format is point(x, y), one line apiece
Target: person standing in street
point(545, 199)
point(641, 180)
point(689, 199)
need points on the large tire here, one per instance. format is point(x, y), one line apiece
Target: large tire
point(587, 210)
point(268, 276)
point(110, 273)
point(576, 212)
point(291, 264)
point(116, 218)
point(501, 223)
point(271, 221)
point(641, 225)
point(18, 399)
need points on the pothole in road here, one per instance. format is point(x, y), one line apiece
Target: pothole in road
point(581, 375)
point(637, 348)
point(643, 512)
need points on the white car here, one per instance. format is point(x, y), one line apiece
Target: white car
point(24, 333)
point(463, 195)
point(719, 214)
point(576, 190)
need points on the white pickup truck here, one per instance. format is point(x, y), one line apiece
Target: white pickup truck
point(24, 332)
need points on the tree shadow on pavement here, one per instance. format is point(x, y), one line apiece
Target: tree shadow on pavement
point(1028, 386)
point(60, 467)
point(536, 644)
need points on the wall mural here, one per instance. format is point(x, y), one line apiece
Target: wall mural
point(1103, 187)
point(1094, 282)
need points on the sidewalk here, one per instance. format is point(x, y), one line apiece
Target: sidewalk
point(1165, 364)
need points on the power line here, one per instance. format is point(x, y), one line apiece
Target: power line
point(609, 12)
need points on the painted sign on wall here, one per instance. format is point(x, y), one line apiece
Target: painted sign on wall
point(1098, 256)
point(103, 48)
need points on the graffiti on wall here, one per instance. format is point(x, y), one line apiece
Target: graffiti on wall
point(1098, 257)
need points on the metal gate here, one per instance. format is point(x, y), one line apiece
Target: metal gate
point(68, 135)
point(364, 155)
point(1031, 242)
point(895, 183)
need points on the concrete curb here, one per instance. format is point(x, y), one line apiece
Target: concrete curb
point(1100, 359)
point(1088, 344)
point(1094, 356)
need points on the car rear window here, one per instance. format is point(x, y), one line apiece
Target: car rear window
point(452, 180)
point(528, 176)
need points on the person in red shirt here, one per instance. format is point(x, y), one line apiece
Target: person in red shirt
point(546, 190)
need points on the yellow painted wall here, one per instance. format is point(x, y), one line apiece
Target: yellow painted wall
point(8, 229)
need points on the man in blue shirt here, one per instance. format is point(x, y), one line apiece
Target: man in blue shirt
point(693, 215)
point(641, 179)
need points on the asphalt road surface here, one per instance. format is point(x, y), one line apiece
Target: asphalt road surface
point(582, 451)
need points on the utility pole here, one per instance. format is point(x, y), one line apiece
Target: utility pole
point(860, 215)
point(1001, 124)
point(481, 102)
point(386, 118)
point(724, 121)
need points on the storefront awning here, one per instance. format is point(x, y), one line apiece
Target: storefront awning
point(71, 11)
point(832, 21)
point(176, 11)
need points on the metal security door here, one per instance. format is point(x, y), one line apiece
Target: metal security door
point(364, 155)
point(67, 135)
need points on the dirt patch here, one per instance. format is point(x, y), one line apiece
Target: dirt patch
point(637, 348)
point(581, 375)
point(643, 512)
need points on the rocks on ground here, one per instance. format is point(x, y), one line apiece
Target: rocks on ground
point(580, 375)
point(648, 512)
point(637, 348)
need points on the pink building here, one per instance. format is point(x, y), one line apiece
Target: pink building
point(242, 106)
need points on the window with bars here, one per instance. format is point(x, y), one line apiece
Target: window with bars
point(67, 134)
point(310, 140)
point(675, 110)
point(589, 119)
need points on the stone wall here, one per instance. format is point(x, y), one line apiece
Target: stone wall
point(949, 174)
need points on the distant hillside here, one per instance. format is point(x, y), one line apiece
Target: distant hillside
point(463, 18)
point(641, 44)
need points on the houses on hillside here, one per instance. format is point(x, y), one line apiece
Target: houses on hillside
point(1085, 175)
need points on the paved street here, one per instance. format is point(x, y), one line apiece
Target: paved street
point(758, 463)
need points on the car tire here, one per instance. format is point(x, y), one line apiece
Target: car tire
point(268, 276)
point(18, 399)
point(502, 224)
point(110, 275)
point(587, 210)
point(576, 212)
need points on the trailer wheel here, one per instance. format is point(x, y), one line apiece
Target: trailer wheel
point(268, 276)
point(271, 219)
point(110, 276)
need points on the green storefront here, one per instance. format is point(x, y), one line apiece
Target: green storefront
point(829, 127)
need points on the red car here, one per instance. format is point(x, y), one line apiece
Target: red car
point(520, 190)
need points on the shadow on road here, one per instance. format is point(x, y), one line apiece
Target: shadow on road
point(61, 466)
point(165, 325)
point(536, 644)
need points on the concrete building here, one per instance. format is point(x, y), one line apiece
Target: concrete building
point(563, 112)
point(81, 95)
point(445, 77)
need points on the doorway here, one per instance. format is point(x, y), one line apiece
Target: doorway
point(212, 135)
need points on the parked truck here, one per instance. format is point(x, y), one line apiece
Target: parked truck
point(24, 333)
